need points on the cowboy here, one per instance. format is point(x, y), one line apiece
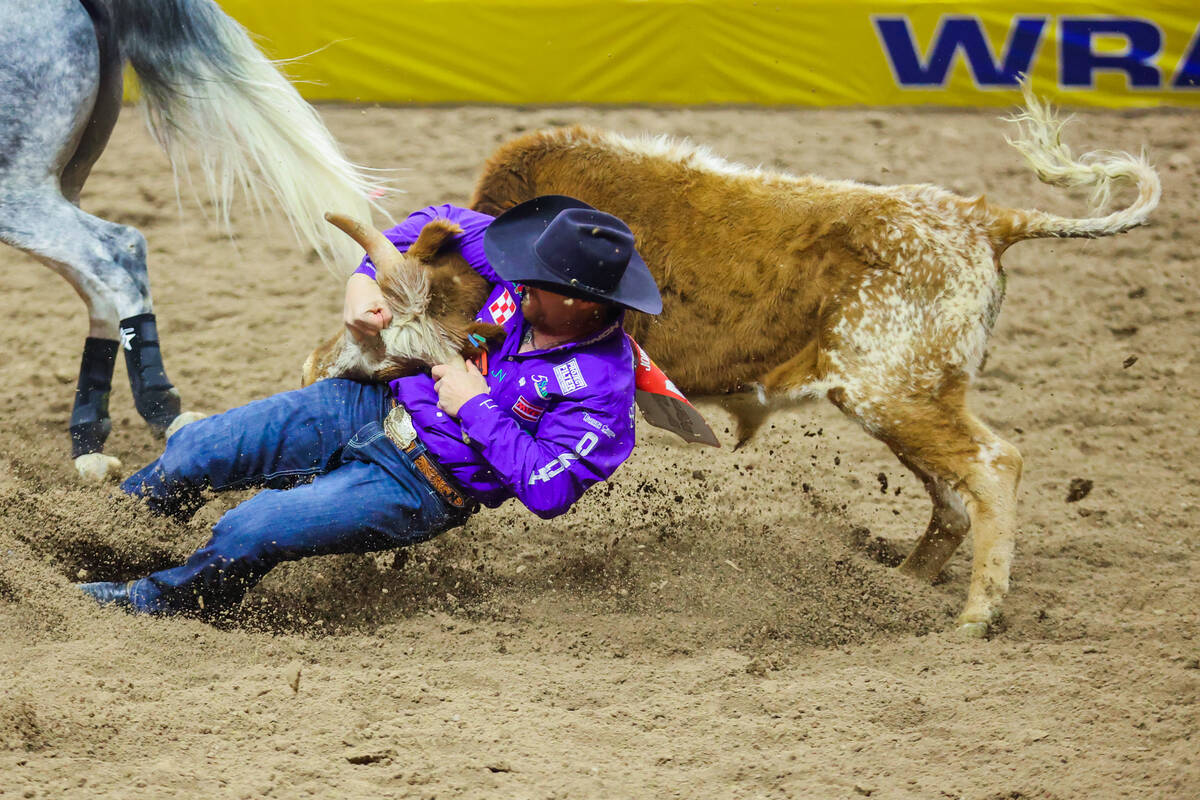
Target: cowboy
point(352, 467)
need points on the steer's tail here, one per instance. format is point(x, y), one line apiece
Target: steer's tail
point(207, 86)
point(1040, 141)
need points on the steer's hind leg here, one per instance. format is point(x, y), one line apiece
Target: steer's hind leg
point(948, 525)
point(993, 474)
point(952, 450)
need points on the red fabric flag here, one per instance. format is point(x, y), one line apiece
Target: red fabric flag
point(663, 405)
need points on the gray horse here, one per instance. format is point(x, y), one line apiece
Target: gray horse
point(206, 87)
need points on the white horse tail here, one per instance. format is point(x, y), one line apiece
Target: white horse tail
point(207, 86)
point(1040, 141)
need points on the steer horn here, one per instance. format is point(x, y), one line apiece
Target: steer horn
point(406, 288)
point(375, 243)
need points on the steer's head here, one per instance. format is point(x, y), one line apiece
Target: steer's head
point(433, 296)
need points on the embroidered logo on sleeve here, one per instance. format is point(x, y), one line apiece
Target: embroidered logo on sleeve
point(502, 308)
point(598, 425)
point(563, 461)
point(570, 378)
point(527, 410)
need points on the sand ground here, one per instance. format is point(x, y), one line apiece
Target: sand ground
point(711, 623)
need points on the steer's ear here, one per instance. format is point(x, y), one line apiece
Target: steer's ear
point(434, 236)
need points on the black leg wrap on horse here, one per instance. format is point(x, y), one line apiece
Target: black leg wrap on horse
point(90, 423)
point(153, 395)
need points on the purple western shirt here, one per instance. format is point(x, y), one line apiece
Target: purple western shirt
point(554, 421)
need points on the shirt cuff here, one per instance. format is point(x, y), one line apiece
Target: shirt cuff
point(475, 415)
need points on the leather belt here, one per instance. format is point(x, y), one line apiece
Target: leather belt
point(398, 427)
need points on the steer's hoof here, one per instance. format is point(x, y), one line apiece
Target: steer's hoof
point(97, 467)
point(972, 630)
point(183, 419)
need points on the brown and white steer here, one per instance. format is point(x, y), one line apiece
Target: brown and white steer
point(433, 295)
point(880, 298)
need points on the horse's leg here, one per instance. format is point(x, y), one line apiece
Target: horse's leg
point(90, 422)
point(61, 80)
point(51, 79)
point(154, 396)
point(106, 107)
point(105, 263)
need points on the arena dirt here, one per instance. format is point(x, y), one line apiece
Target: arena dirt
point(709, 624)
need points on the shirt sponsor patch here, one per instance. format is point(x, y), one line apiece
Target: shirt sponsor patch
point(570, 378)
point(598, 425)
point(541, 384)
point(502, 308)
point(527, 410)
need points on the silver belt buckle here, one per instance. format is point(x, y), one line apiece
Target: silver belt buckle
point(398, 427)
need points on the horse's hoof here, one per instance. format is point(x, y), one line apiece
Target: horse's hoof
point(972, 630)
point(97, 467)
point(183, 419)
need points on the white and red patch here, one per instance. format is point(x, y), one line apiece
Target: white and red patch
point(662, 404)
point(527, 410)
point(502, 308)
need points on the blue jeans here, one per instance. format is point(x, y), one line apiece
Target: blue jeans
point(336, 484)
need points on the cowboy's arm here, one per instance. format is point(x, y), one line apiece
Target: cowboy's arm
point(364, 311)
point(579, 442)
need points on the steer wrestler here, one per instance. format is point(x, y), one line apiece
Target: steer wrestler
point(352, 467)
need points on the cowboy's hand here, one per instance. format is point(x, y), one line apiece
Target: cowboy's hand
point(456, 385)
point(365, 312)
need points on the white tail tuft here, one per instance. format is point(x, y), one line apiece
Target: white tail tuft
point(1040, 141)
point(208, 88)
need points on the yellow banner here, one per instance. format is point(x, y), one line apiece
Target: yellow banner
point(765, 52)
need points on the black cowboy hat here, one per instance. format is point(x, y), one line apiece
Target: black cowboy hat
point(566, 246)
